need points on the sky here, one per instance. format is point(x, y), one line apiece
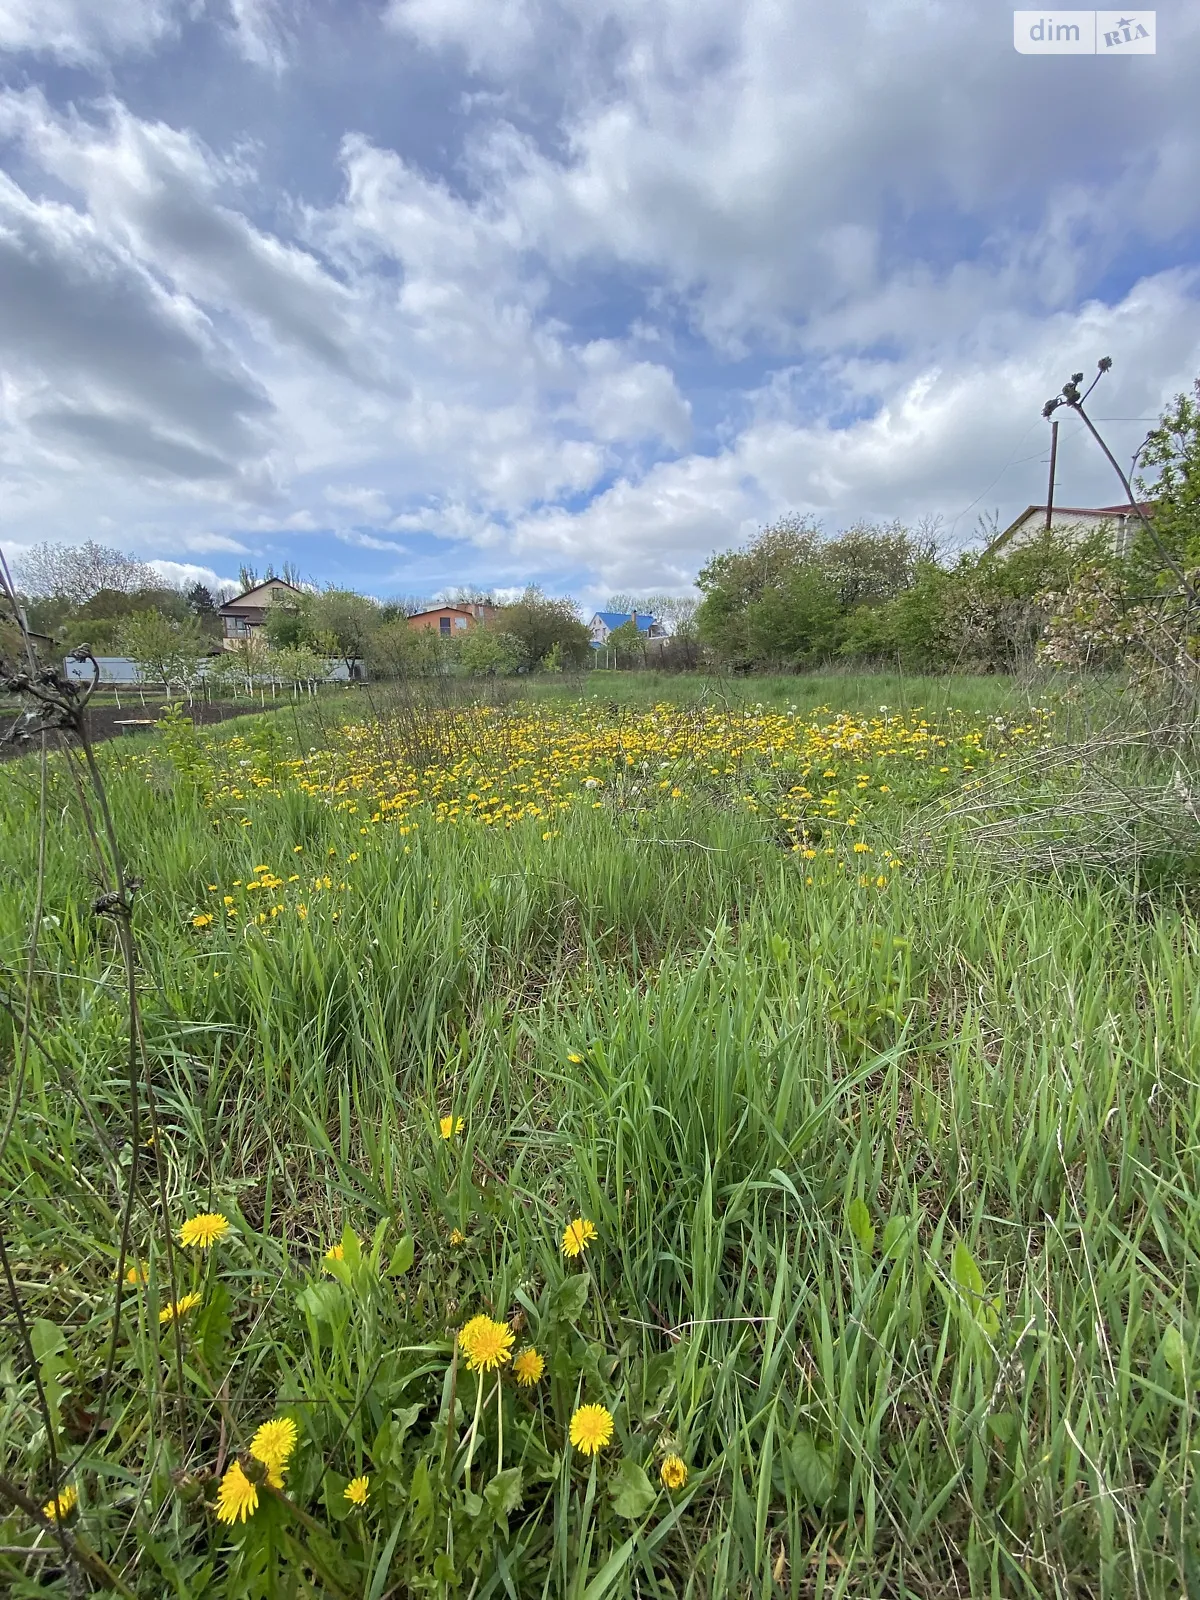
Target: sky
point(417, 293)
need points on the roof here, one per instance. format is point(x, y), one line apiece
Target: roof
point(618, 619)
point(436, 611)
point(1126, 510)
point(267, 583)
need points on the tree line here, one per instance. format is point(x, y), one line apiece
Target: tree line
point(790, 599)
point(885, 594)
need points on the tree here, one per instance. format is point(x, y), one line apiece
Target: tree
point(745, 594)
point(199, 599)
point(76, 572)
point(166, 652)
point(488, 650)
point(628, 641)
point(538, 624)
point(289, 623)
point(344, 622)
point(1174, 448)
point(298, 667)
point(404, 605)
point(869, 564)
point(394, 649)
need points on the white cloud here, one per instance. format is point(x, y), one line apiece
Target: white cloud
point(941, 437)
point(859, 205)
point(258, 33)
point(368, 541)
point(84, 31)
point(182, 574)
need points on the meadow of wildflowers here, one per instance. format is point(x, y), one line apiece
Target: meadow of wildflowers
point(609, 1154)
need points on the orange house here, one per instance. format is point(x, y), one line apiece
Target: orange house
point(451, 620)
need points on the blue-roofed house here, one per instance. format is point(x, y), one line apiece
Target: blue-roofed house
point(605, 622)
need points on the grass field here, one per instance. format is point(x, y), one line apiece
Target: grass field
point(889, 1149)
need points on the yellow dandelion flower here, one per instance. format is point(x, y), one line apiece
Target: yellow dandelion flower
point(179, 1308)
point(357, 1491)
point(62, 1505)
point(336, 1252)
point(673, 1472)
point(237, 1498)
point(204, 1231)
point(529, 1367)
point(135, 1274)
point(591, 1429)
point(486, 1344)
point(273, 1445)
point(575, 1060)
point(202, 919)
point(449, 1126)
point(579, 1234)
point(457, 1236)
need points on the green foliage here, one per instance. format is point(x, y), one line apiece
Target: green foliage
point(341, 623)
point(166, 652)
point(875, 595)
point(628, 644)
point(487, 649)
point(537, 625)
point(288, 622)
point(1173, 448)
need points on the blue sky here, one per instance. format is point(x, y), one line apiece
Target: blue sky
point(421, 292)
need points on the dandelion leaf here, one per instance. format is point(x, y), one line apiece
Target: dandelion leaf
point(859, 1220)
point(631, 1490)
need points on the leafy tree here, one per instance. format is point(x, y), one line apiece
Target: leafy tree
point(288, 622)
point(166, 652)
point(75, 573)
point(344, 622)
point(869, 565)
point(489, 650)
point(394, 650)
point(298, 667)
point(537, 624)
point(795, 622)
point(1173, 447)
point(745, 592)
point(628, 642)
point(100, 619)
point(200, 601)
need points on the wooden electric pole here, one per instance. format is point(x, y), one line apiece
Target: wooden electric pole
point(1053, 458)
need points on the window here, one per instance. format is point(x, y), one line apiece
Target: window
point(444, 626)
point(460, 622)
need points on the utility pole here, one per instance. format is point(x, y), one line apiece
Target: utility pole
point(1053, 458)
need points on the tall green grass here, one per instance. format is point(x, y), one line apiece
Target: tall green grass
point(896, 1195)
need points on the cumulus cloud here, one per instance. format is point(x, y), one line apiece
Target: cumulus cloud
point(183, 574)
point(671, 268)
point(98, 348)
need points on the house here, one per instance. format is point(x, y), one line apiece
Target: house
point(606, 622)
point(244, 615)
point(1081, 519)
point(451, 620)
